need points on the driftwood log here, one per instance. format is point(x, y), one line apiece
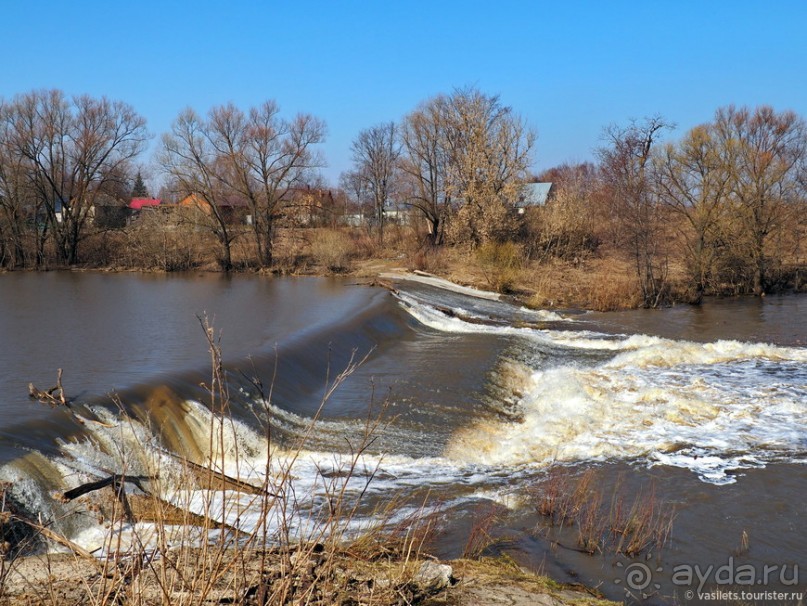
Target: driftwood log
point(212, 479)
point(151, 508)
point(115, 480)
point(53, 397)
point(380, 284)
point(145, 507)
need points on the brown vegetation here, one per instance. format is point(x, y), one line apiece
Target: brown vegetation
point(631, 524)
point(719, 212)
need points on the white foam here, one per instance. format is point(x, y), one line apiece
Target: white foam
point(434, 318)
point(722, 406)
point(713, 408)
point(545, 315)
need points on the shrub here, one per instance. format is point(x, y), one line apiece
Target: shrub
point(163, 241)
point(613, 291)
point(332, 249)
point(628, 523)
point(501, 263)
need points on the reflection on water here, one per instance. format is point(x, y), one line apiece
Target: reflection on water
point(781, 320)
point(113, 331)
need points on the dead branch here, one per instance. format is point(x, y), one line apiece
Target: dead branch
point(144, 508)
point(61, 540)
point(115, 480)
point(52, 397)
point(211, 478)
point(378, 283)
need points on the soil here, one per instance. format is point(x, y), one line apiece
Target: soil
point(66, 580)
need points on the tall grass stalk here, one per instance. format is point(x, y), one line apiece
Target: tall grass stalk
point(625, 524)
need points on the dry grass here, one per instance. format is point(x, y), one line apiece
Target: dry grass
point(627, 524)
point(602, 284)
point(501, 580)
point(332, 250)
point(597, 284)
point(480, 537)
point(501, 263)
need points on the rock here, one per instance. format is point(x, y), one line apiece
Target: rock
point(432, 577)
point(508, 595)
point(382, 584)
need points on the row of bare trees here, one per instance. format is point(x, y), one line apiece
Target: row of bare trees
point(254, 156)
point(739, 182)
point(728, 201)
point(458, 159)
point(61, 159)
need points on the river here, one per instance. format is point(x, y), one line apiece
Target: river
point(702, 408)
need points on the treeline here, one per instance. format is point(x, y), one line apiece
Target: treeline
point(719, 211)
point(459, 160)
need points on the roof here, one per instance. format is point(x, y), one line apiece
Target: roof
point(313, 194)
point(139, 203)
point(534, 194)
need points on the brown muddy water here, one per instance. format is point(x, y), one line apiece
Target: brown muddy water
point(702, 408)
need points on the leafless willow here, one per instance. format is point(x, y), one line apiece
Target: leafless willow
point(61, 157)
point(255, 158)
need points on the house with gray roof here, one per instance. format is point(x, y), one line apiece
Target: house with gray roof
point(532, 195)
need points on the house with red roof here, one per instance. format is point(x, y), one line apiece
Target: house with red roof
point(138, 204)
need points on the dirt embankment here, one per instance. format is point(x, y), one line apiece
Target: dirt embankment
point(65, 580)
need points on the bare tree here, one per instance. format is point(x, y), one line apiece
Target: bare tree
point(275, 157)
point(466, 158)
point(376, 151)
point(692, 178)
point(355, 187)
point(766, 152)
point(77, 151)
point(17, 205)
point(191, 159)
point(254, 157)
point(489, 149)
point(625, 165)
point(425, 166)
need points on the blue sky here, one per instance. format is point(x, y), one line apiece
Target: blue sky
point(569, 67)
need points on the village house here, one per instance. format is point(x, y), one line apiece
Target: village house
point(311, 206)
point(232, 209)
point(533, 195)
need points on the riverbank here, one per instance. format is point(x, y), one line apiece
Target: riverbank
point(601, 280)
point(66, 580)
point(596, 285)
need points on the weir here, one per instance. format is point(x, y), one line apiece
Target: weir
point(482, 399)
